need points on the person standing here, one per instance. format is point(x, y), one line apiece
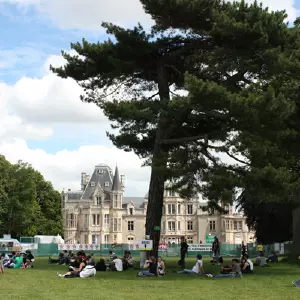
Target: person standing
point(244, 249)
point(183, 251)
point(216, 249)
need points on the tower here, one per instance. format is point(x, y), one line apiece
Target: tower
point(116, 208)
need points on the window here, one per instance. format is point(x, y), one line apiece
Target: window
point(72, 220)
point(86, 221)
point(86, 239)
point(96, 220)
point(179, 209)
point(171, 209)
point(106, 220)
point(106, 183)
point(171, 193)
point(92, 183)
point(117, 224)
point(240, 225)
point(190, 225)
point(212, 225)
point(130, 225)
point(100, 171)
point(95, 239)
point(178, 226)
point(106, 240)
point(131, 211)
point(235, 226)
point(190, 209)
point(63, 201)
point(130, 239)
point(227, 225)
point(98, 200)
point(190, 240)
point(171, 226)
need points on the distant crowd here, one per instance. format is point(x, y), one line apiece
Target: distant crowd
point(82, 265)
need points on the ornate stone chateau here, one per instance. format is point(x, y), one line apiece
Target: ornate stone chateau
point(99, 214)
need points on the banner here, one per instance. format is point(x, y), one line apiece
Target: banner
point(200, 248)
point(78, 247)
point(145, 245)
point(133, 246)
point(163, 247)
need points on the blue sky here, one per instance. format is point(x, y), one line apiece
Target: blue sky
point(42, 120)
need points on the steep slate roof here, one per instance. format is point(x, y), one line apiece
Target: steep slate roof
point(74, 195)
point(116, 186)
point(102, 176)
point(137, 201)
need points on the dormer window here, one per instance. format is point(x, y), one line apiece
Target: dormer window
point(101, 171)
point(131, 211)
point(106, 183)
point(92, 183)
point(171, 193)
point(98, 200)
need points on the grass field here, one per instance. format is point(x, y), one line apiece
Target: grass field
point(42, 283)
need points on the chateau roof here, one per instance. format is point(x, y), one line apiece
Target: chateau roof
point(102, 176)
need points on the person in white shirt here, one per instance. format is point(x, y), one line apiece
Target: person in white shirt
point(88, 271)
point(197, 269)
point(247, 265)
point(118, 264)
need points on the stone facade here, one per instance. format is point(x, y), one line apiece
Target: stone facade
point(99, 214)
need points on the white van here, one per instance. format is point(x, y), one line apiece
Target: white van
point(10, 245)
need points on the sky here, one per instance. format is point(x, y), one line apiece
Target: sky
point(42, 120)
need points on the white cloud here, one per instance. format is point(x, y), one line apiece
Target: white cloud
point(50, 99)
point(49, 107)
point(88, 14)
point(64, 167)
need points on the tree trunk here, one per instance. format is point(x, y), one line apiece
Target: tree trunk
point(159, 164)
point(295, 251)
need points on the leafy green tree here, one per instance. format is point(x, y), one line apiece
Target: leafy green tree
point(29, 204)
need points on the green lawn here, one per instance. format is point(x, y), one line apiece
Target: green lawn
point(42, 283)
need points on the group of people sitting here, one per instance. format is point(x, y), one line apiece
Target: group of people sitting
point(17, 260)
point(82, 265)
point(235, 269)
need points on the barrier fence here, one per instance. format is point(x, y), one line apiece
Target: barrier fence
point(227, 250)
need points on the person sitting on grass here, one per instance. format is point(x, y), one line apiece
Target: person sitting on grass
point(5, 259)
point(261, 260)
point(197, 269)
point(18, 262)
point(75, 271)
point(247, 265)
point(101, 266)
point(116, 265)
point(112, 255)
point(128, 259)
point(273, 258)
point(1, 265)
point(161, 269)
point(234, 273)
point(150, 264)
point(29, 259)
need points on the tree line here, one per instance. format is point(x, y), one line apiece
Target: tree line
point(29, 205)
point(239, 65)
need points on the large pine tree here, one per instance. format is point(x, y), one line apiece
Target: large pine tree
point(228, 50)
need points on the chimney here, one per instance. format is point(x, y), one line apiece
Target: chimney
point(83, 179)
point(122, 181)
